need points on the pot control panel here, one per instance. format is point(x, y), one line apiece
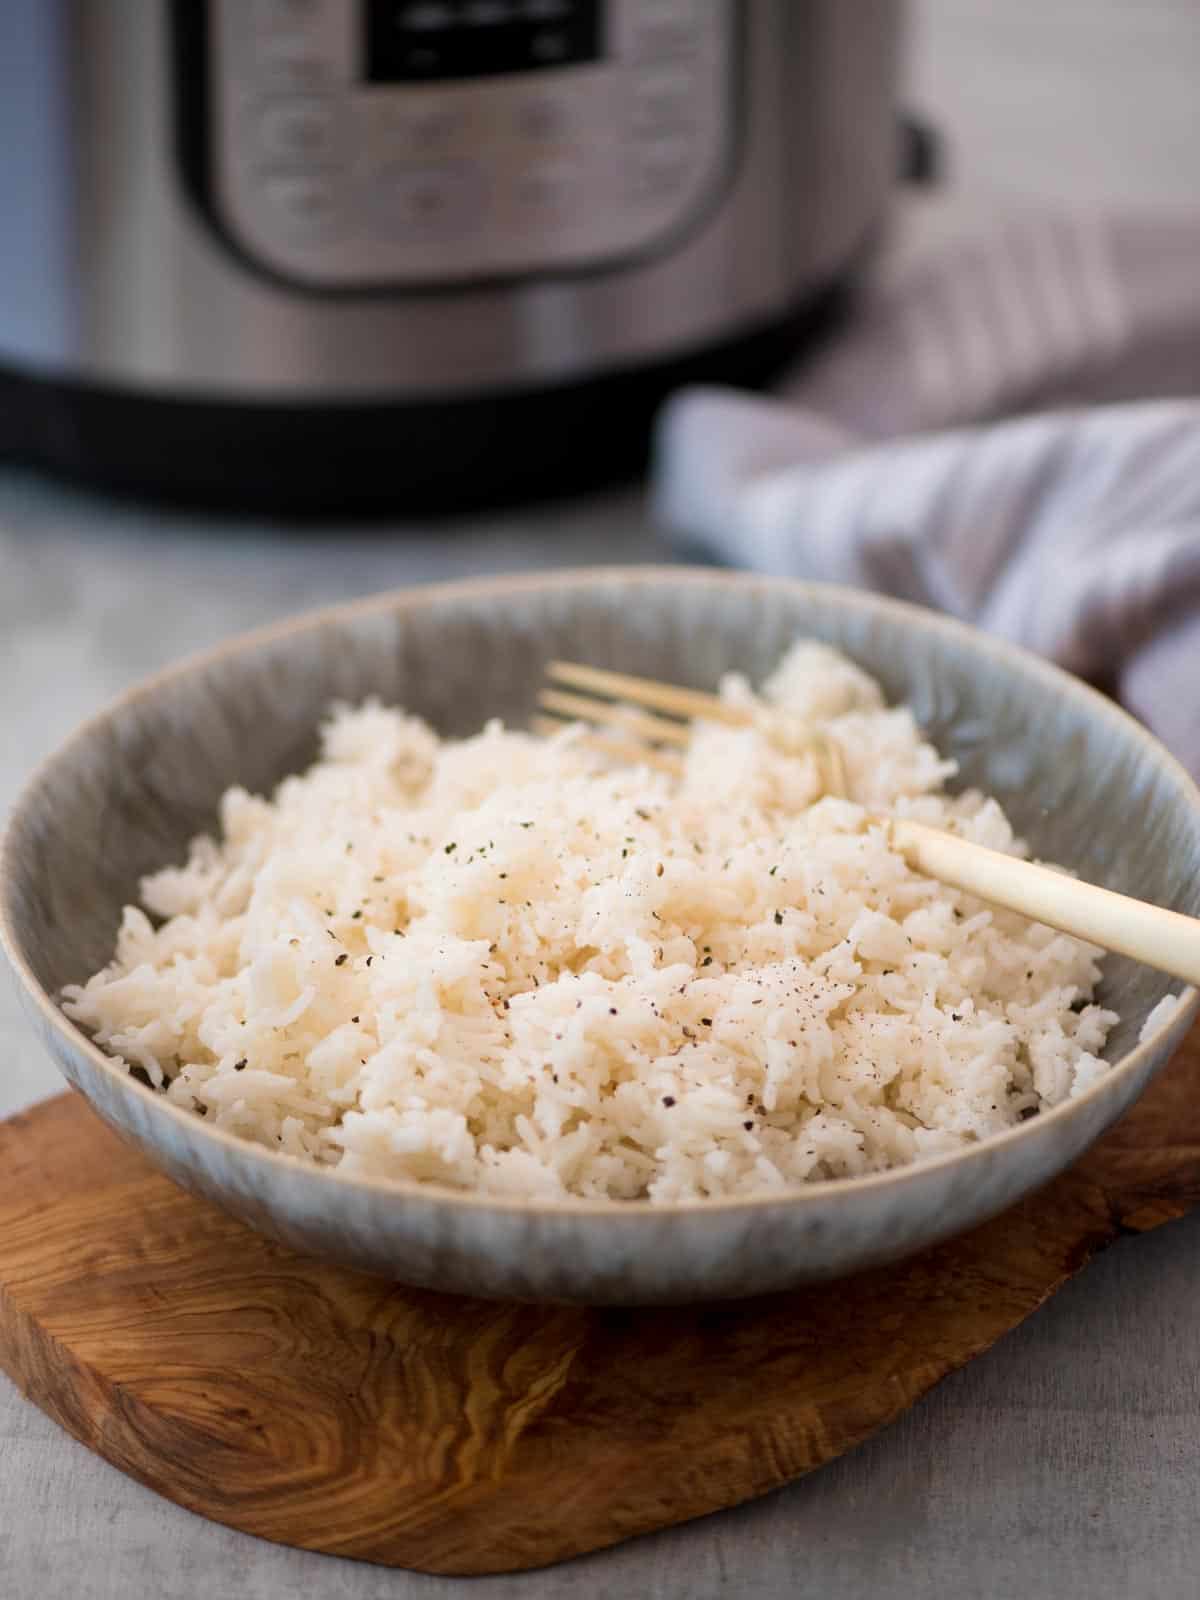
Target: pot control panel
point(376, 143)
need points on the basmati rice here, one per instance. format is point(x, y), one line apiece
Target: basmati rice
point(504, 965)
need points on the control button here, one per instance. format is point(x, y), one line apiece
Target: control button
point(291, 41)
point(425, 129)
point(300, 131)
point(550, 189)
point(304, 205)
point(291, 63)
point(661, 27)
point(661, 166)
point(663, 97)
point(430, 201)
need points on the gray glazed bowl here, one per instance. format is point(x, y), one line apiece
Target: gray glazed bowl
point(126, 792)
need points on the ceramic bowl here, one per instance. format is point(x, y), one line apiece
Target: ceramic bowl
point(1082, 781)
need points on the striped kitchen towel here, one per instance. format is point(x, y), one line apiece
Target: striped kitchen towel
point(1073, 529)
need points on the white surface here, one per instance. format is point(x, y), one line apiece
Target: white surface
point(1064, 1464)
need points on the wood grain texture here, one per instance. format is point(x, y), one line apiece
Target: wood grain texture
point(320, 1408)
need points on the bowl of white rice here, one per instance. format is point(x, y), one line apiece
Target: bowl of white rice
point(318, 924)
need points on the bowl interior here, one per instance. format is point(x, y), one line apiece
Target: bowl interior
point(126, 794)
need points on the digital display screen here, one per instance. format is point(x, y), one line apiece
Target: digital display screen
point(425, 41)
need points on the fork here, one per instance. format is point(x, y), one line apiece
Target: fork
point(643, 721)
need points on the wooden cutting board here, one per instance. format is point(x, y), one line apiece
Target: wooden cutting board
point(319, 1408)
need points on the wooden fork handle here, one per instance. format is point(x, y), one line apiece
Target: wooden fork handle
point(1165, 940)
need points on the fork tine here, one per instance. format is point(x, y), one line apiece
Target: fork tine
point(620, 717)
point(632, 750)
point(821, 745)
point(648, 692)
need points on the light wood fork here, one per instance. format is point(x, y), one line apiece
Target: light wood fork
point(641, 720)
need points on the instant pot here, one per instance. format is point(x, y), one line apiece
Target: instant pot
point(317, 254)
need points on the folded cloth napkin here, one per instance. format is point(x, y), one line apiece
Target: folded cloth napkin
point(1074, 531)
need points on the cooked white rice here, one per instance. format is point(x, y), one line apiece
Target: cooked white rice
point(501, 965)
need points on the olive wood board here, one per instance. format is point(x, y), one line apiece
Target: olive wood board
point(321, 1408)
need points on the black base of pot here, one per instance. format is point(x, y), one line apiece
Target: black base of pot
point(377, 458)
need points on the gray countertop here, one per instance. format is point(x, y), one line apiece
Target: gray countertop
point(1064, 1463)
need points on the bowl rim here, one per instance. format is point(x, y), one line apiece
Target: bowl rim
point(498, 587)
